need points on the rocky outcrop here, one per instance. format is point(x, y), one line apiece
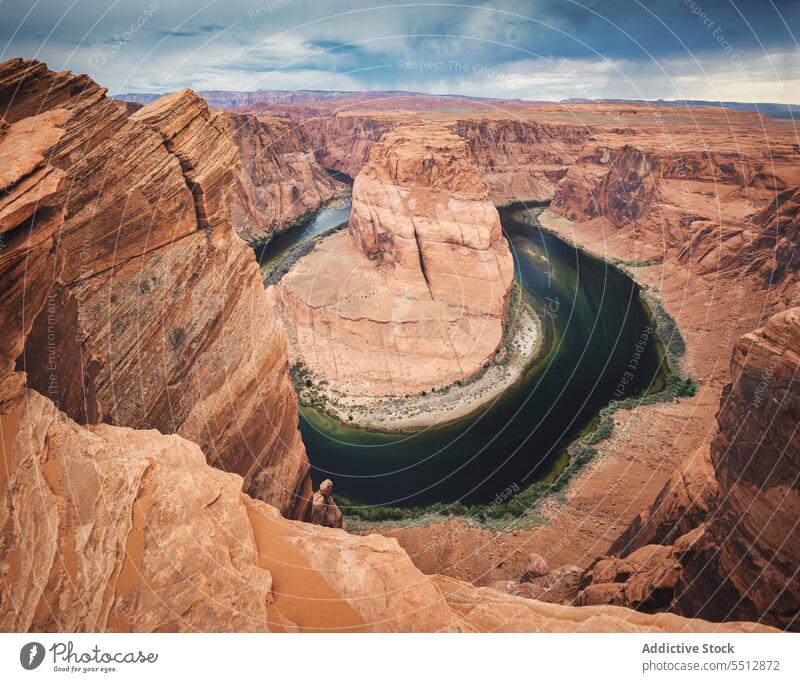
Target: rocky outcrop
point(704, 201)
point(482, 609)
point(414, 294)
point(280, 181)
point(746, 558)
point(775, 244)
point(682, 505)
point(115, 233)
point(624, 191)
point(519, 160)
point(29, 194)
point(324, 510)
point(144, 269)
point(102, 526)
point(738, 560)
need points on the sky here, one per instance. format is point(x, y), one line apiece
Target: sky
point(715, 50)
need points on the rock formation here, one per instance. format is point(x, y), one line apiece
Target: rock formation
point(766, 245)
point(700, 195)
point(280, 180)
point(720, 541)
point(324, 511)
point(701, 187)
point(414, 295)
point(143, 267)
point(116, 242)
point(521, 160)
point(343, 141)
point(106, 528)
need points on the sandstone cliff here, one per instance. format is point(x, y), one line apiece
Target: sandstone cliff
point(720, 541)
point(106, 528)
point(519, 159)
point(115, 234)
point(146, 276)
point(717, 197)
point(414, 294)
point(342, 141)
point(696, 188)
point(280, 180)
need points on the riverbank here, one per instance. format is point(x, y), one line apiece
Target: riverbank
point(280, 250)
point(340, 196)
point(521, 345)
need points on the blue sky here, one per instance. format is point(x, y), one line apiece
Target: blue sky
point(533, 49)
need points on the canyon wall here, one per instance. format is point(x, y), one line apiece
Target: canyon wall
point(342, 141)
point(519, 159)
point(280, 180)
point(720, 541)
point(715, 196)
point(106, 528)
point(158, 303)
point(414, 294)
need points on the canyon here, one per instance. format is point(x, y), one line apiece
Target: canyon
point(160, 481)
point(695, 206)
point(280, 182)
point(726, 523)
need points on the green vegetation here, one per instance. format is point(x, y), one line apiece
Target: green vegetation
point(636, 263)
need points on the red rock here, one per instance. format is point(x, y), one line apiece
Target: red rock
point(280, 181)
point(133, 531)
point(737, 561)
point(176, 330)
point(324, 510)
point(414, 295)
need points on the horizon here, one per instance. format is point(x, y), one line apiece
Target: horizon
point(547, 51)
point(457, 95)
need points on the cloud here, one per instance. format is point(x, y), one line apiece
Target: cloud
point(507, 48)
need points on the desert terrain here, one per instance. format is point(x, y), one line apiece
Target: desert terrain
point(154, 477)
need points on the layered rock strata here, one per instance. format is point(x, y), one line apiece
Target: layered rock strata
point(519, 159)
point(414, 294)
point(705, 188)
point(146, 276)
point(343, 141)
point(720, 206)
point(105, 527)
point(109, 528)
point(280, 180)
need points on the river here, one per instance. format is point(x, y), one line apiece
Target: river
point(596, 327)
